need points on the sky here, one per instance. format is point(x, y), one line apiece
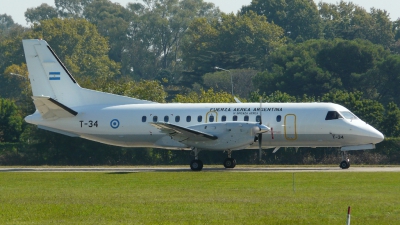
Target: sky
point(17, 8)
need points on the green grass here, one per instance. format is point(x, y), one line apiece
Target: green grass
point(198, 198)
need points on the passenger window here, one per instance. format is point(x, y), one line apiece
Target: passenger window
point(155, 119)
point(332, 115)
point(177, 119)
point(199, 119)
point(278, 118)
point(211, 118)
point(246, 118)
point(144, 118)
point(258, 118)
point(223, 118)
point(188, 118)
point(166, 118)
point(234, 118)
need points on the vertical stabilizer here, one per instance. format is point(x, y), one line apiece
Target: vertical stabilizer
point(50, 78)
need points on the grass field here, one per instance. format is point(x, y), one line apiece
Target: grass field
point(198, 198)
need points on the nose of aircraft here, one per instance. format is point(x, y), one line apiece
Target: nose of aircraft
point(371, 134)
point(377, 136)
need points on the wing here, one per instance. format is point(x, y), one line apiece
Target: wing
point(52, 109)
point(183, 133)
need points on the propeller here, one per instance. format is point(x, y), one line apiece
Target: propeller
point(260, 134)
point(261, 128)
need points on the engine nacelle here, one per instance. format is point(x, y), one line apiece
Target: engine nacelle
point(231, 135)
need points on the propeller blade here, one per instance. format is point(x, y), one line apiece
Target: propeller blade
point(260, 134)
point(259, 145)
point(260, 110)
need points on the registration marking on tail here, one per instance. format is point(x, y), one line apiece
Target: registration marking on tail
point(54, 76)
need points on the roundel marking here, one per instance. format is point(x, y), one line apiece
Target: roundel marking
point(114, 123)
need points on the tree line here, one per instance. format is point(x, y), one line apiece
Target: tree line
point(168, 51)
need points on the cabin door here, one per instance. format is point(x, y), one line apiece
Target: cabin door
point(290, 127)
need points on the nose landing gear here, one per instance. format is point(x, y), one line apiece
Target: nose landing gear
point(345, 164)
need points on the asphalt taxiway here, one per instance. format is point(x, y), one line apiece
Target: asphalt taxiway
point(137, 169)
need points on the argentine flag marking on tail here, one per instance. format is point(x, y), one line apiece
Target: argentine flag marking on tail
point(54, 76)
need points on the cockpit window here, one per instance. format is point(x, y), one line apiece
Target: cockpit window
point(333, 115)
point(348, 115)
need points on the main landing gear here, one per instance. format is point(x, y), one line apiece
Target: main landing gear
point(196, 164)
point(345, 164)
point(230, 162)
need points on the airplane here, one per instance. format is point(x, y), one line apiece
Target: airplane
point(63, 107)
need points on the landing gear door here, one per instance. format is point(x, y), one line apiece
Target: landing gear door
point(290, 127)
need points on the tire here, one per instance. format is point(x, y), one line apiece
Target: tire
point(196, 165)
point(344, 165)
point(229, 163)
point(233, 163)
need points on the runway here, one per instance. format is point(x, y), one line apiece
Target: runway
point(138, 169)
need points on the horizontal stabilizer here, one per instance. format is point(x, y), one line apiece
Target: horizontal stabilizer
point(183, 133)
point(51, 109)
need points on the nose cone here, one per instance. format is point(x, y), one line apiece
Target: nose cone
point(371, 135)
point(376, 136)
point(262, 129)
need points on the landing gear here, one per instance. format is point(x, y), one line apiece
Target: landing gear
point(230, 162)
point(196, 164)
point(345, 164)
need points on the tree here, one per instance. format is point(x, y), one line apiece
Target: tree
point(11, 51)
point(347, 61)
point(232, 42)
point(155, 34)
point(42, 12)
point(391, 122)
point(20, 74)
point(6, 22)
point(382, 30)
point(316, 67)
point(396, 31)
point(208, 96)
point(387, 79)
point(71, 8)
point(221, 81)
point(16, 87)
point(112, 21)
point(78, 44)
point(276, 96)
point(299, 18)
point(349, 21)
point(151, 90)
point(10, 121)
